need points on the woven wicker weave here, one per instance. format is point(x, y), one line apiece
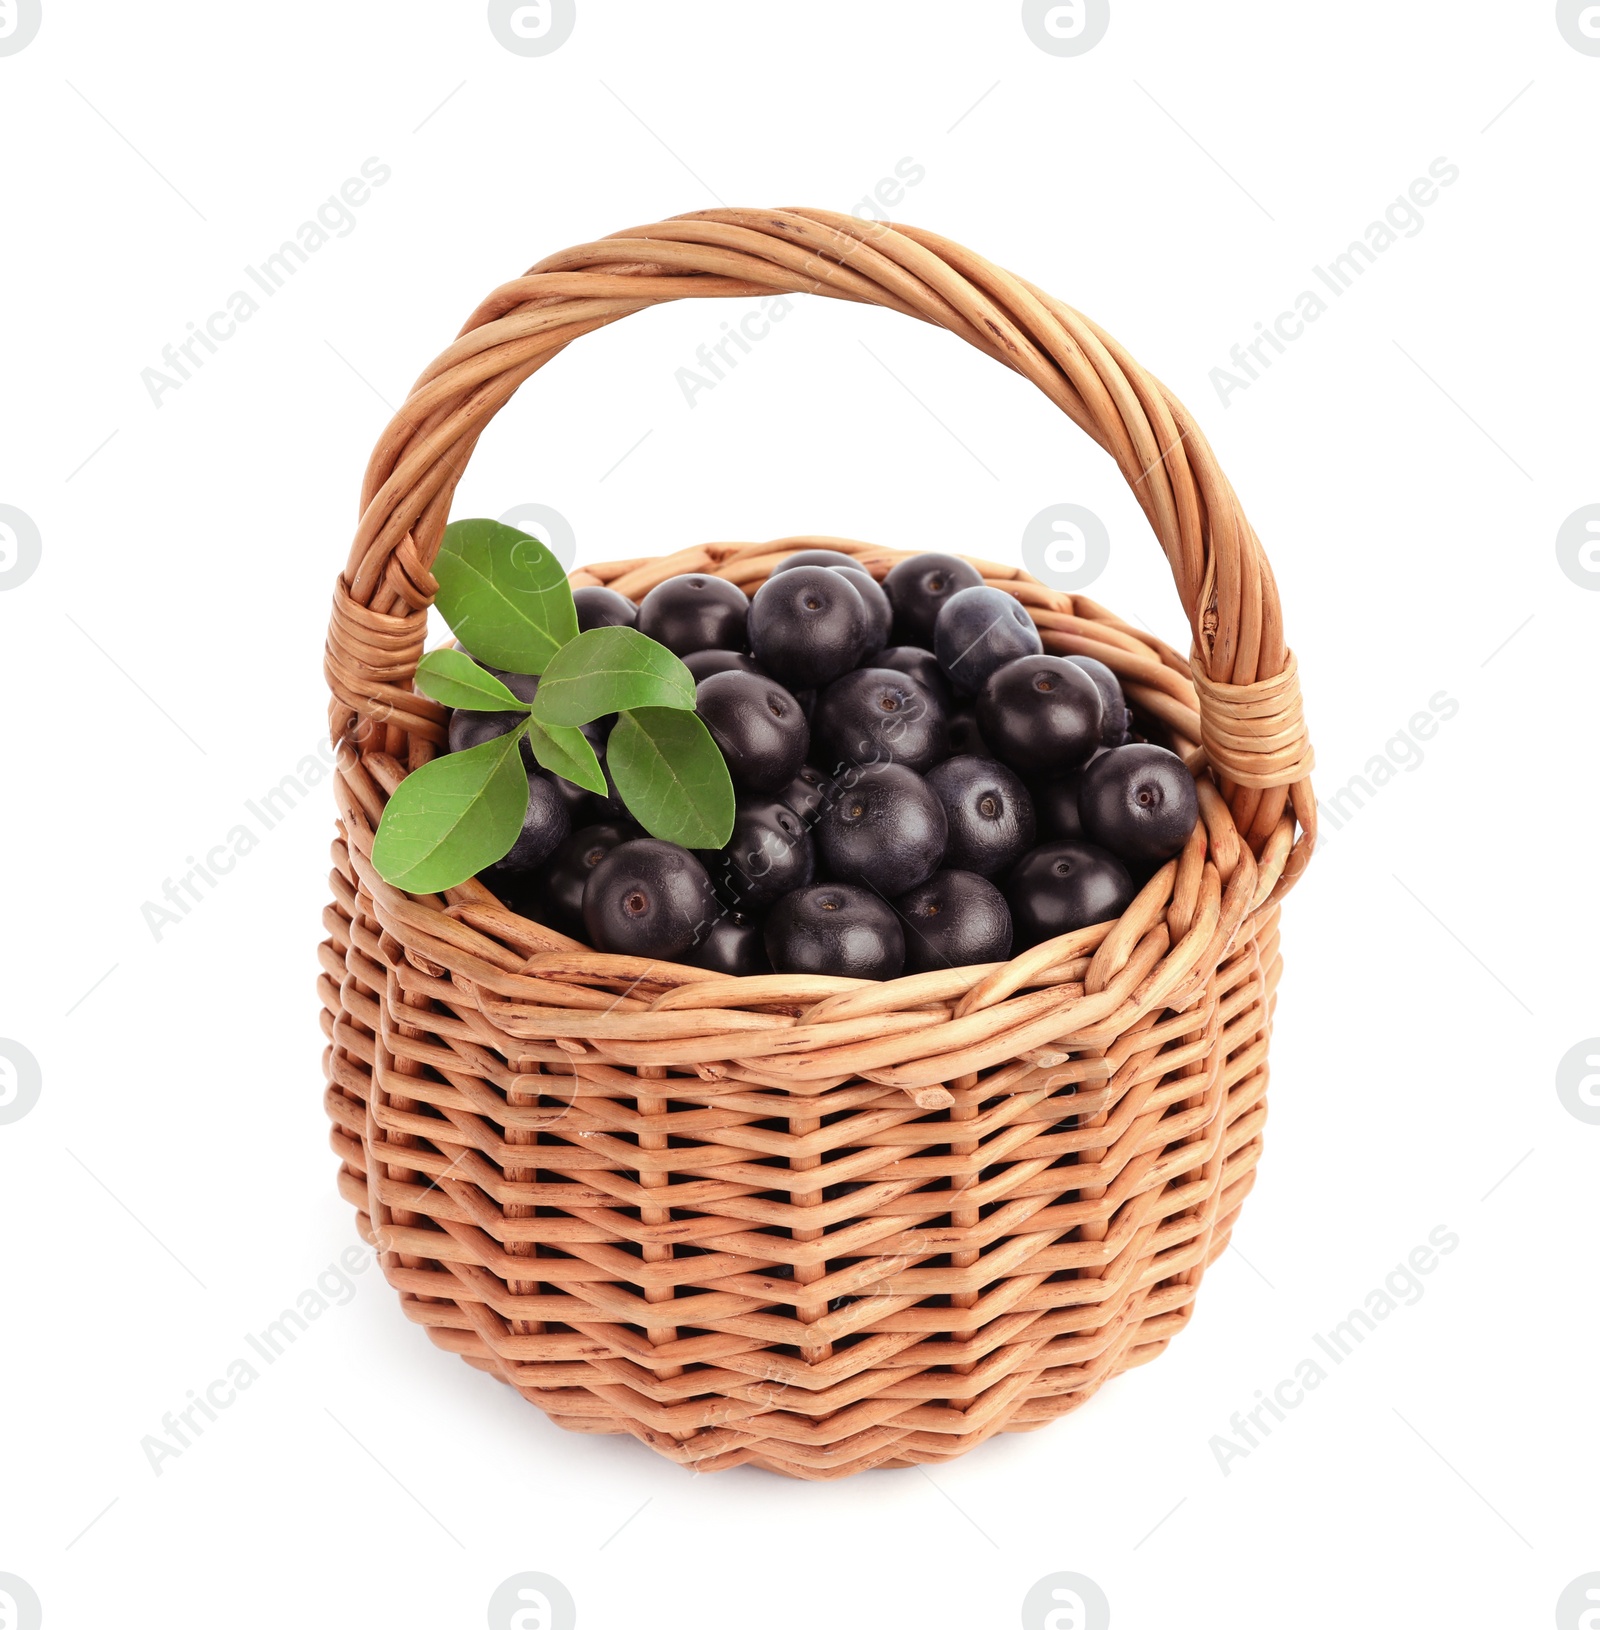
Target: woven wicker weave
point(812, 1224)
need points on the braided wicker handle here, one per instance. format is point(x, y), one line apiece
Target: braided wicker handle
point(1252, 725)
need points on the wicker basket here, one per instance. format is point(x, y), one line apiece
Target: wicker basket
point(805, 1223)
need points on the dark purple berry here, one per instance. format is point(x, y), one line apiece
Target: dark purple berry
point(880, 614)
point(1117, 720)
point(545, 823)
point(695, 612)
point(886, 829)
point(918, 588)
point(1140, 802)
point(988, 813)
point(923, 667)
point(808, 626)
point(978, 631)
point(878, 716)
point(953, 920)
point(702, 664)
point(468, 729)
point(769, 854)
point(1041, 715)
point(648, 899)
point(1065, 885)
point(569, 868)
point(836, 928)
point(758, 725)
point(603, 608)
point(733, 944)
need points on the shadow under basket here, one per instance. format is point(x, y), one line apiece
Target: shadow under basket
point(812, 1224)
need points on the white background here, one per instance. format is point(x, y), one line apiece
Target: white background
point(1407, 463)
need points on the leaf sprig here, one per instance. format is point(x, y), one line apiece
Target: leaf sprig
point(506, 597)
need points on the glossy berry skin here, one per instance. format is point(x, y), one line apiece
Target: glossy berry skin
point(919, 587)
point(568, 872)
point(1065, 885)
point(886, 830)
point(648, 898)
point(1139, 801)
point(954, 920)
point(1041, 715)
point(702, 664)
point(758, 725)
point(769, 854)
point(545, 824)
point(963, 734)
point(836, 928)
point(880, 614)
point(816, 557)
point(1117, 720)
point(808, 626)
point(734, 944)
point(877, 716)
point(695, 612)
point(978, 631)
point(922, 666)
point(988, 813)
point(809, 794)
point(604, 608)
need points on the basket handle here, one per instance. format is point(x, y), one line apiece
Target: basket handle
point(1253, 727)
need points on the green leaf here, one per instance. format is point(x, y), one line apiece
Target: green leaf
point(671, 775)
point(452, 677)
point(606, 671)
point(454, 816)
point(504, 594)
point(566, 752)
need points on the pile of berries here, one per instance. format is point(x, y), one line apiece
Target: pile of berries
point(918, 785)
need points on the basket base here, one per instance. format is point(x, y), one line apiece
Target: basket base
point(886, 1446)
